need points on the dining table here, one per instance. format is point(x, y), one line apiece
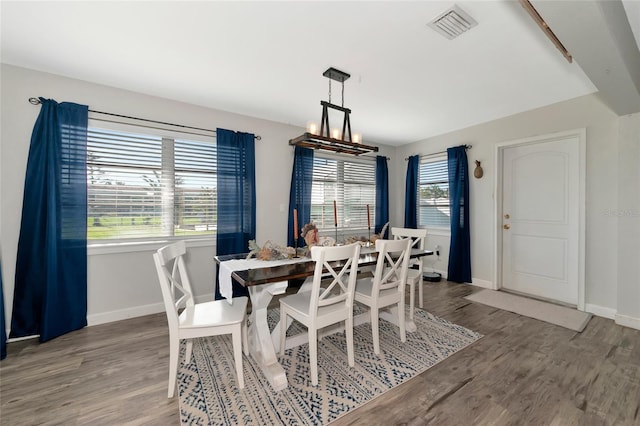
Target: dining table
point(267, 278)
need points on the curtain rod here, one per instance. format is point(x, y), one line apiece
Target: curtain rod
point(36, 101)
point(438, 153)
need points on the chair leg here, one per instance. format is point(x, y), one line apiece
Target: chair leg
point(245, 340)
point(313, 355)
point(403, 331)
point(375, 331)
point(412, 297)
point(174, 354)
point(237, 354)
point(349, 333)
point(420, 295)
point(187, 355)
point(283, 329)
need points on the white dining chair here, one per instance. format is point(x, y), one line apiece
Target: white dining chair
point(386, 287)
point(196, 319)
point(414, 276)
point(324, 306)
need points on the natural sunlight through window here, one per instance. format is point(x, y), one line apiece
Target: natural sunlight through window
point(434, 209)
point(142, 186)
point(351, 184)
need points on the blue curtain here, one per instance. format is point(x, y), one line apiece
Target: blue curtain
point(50, 295)
point(459, 269)
point(236, 196)
point(382, 194)
point(411, 193)
point(3, 329)
point(300, 192)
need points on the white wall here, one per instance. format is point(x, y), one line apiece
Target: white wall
point(627, 216)
point(604, 252)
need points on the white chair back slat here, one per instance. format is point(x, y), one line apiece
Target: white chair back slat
point(328, 295)
point(418, 236)
point(391, 267)
point(338, 290)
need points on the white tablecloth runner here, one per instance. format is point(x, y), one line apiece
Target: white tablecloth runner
point(227, 267)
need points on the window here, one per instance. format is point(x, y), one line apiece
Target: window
point(351, 184)
point(434, 209)
point(142, 186)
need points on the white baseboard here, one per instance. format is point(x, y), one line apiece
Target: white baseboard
point(600, 311)
point(122, 314)
point(136, 311)
point(474, 281)
point(482, 283)
point(17, 339)
point(628, 321)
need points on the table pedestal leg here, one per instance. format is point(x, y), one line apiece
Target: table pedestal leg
point(260, 344)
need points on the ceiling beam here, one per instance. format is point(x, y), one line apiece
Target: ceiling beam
point(600, 39)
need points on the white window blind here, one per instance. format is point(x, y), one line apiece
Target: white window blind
point(351, 184)
point(195, 187)
point(142, 186)
point(434, 208)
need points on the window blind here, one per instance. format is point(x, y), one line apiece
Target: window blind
point(351, 184)
point(142, 186)
point(433, 199)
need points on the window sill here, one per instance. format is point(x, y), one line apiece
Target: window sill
point(440, 232)
point(98, 248)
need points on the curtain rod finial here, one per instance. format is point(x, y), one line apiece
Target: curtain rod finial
point(34, 101)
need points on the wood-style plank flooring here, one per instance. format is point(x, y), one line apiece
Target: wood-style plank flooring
point(522, 372)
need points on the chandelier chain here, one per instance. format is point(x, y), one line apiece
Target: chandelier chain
point(343, 94)
point(329, 90)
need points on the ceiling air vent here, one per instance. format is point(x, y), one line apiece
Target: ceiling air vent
point(452, 22)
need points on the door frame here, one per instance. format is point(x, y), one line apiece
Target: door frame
point(500, 147)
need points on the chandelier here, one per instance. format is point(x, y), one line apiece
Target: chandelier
point(332, 139)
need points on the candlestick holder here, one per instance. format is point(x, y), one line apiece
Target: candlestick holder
point(369, 238)
point(295, 247)
point(336, 225)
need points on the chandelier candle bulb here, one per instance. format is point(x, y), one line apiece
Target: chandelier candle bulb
point(335, 134)
point(313, 128)
point(356, 138)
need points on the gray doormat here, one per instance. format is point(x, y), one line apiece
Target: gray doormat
point(543, 311)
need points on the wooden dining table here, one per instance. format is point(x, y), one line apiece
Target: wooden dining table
point(265, 279)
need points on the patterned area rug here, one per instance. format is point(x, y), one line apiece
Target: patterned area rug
point(209, 396)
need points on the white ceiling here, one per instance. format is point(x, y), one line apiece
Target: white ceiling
point(266, 59)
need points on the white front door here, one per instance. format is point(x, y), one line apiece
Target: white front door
point(541, 189)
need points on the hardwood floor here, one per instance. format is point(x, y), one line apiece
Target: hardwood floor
point(522, 372)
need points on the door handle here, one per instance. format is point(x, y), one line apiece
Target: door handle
point(506, 226)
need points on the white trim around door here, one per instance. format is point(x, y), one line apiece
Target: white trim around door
point(580, 134)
